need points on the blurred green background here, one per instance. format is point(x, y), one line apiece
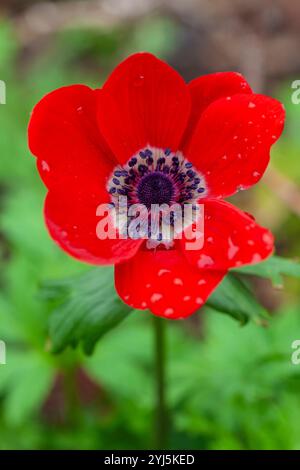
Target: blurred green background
point(228, 387)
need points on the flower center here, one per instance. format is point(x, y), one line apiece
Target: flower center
point(155, 188)
point(157, 177)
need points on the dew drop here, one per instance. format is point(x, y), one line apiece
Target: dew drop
point(139, 81)
point(45, 166)
point(155, 297)
point(205, 261)
point(232, 250)
point(168, 312)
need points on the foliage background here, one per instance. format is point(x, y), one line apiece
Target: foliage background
point(228, 387)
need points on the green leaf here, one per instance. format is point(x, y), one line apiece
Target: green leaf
point(86, 307)
point(273, 268)
point(234, 298)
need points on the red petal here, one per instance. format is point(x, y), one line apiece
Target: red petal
point(144, 101)
point(63, 134)
point(165, 283)
point(231, 238)
point(208, 88)
point(231, 144)
point(70, 214)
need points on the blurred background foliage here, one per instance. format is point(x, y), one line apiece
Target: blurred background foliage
point(228, 387)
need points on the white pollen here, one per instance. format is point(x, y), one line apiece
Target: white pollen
point(155, 297)
point(250, 242)
point(148, 286)
point(256, 174)
point(199, 301)
point(186, 298)
point(178, 281)
point(144, 304)
point(126, 297)
point(251, 105)
point(201, 282)
point(210, 239)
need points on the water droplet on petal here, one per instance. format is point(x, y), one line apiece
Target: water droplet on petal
point(45, 166)
point(139, 80)
point(155, 297)
point(232, 250)
point(168, 312)
point(204, 261)
point(267, 238)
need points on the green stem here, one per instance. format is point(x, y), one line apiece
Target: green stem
point(161, 427)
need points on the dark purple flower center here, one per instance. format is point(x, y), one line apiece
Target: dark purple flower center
point(155, 188)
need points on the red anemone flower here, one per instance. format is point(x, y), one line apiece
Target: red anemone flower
point(148, 135)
